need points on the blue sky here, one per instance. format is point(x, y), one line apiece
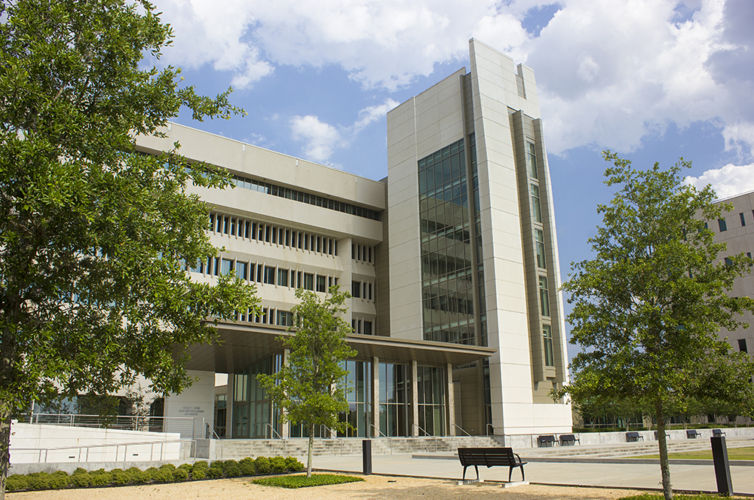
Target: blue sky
point(651, 79)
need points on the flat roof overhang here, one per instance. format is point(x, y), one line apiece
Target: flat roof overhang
point(242, 344)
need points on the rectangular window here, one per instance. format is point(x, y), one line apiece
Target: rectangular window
point(544, 298)
point(306, 241)
point(241, 268)
point(539, 241)
point(253, 230)
point(260, 272)
point(233, 226)
point(319, 243)
point(274, 234)
point(547, 337)
point(282, 277)
point(309, 281)
point(356, 289)
point(269, 275)
point(536, 212)
point(742, 345)
point(211, 222)
point(285, 318)
point(367, 327)
point(743, 219)
point(722, 225)
point(728, 261)
point(321, 283)
point(267, 233)
point(226, 266)
point(531, 160)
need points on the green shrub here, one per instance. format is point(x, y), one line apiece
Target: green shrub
point(137, 476)
point(80, 470)
point(100, 477)
point(160, 475)
point(201, 464)
point(199, 474)
point(263, 465)
point(247, 466)
point(302, 481)
point(186, 467)
point(120, 477)
point(293, 465)
point(231, 468)
point(169, 467)
point(81, 479)
point(180, 475)
point(17, 482)
point(278, 465)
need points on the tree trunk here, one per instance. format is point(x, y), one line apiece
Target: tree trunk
point(311, 445)
point(667, 490)
point(4, 447)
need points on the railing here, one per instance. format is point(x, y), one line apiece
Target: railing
point(382, 434)
point(488, 428)
point(81, 453)
point(462, 429)
point(273, 432)
point(326, 432)
point(120, 422)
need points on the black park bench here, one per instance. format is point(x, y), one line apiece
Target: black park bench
point(568, 440)
point(693, 434)
point(546, 440)
point(717, 433)
point(633, 436)
point(490, 457)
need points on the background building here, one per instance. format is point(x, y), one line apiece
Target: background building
point(451, 261)
point(736, 230)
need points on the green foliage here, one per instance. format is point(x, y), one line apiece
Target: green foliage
point(647, 307)
point(94, 236)
point(262, 465)
point(81, 479)
point(278, 465)
point(137, 475)
point(100, 477)
point(215, 470)
point(180, 475)
point(120, 477)
point(247, 466)
point(17, 482)
point(307, 386)
point(230, 468)
point(161, 475)
point(199, 470)
point(292, 464)
point(46, 481)
point(304, 481)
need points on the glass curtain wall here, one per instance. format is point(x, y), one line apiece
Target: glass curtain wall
point(252, 408)
point(445, 222)
point(431, 387)
point(394, 399)
point(358, 387)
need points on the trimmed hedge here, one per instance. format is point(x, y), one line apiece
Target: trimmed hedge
point(167, 473)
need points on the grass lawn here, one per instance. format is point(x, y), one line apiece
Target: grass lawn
point(744, 453)
point(301, 481)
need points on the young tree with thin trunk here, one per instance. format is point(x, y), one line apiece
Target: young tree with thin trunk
point(647, 307)
point(95, 237)
point(308, 388)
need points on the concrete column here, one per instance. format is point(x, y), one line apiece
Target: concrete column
point(229, 406)
point(414, 399)
point(450, 400)
point(285, 426)
point(375, 397)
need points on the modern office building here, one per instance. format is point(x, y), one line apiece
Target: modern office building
point(736, 230)
point(451, 262)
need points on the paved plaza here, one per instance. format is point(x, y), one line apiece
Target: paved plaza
point(593, 473)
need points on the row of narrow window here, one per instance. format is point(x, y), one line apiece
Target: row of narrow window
point(301, 196)
point(269, 275)
point(269, 233)
point(268, 316)
point(722, 225)
point(362, 290)
point(363, 253)
point(362, 326)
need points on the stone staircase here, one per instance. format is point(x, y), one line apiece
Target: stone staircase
point(239, 448)
point(627, 449)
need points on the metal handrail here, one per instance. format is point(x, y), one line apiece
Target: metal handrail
point(382, 434)
point(80, 448)
point(328, 429)
point(272, 431)
point(422, 429)
point(487, 429)
point(462, 429)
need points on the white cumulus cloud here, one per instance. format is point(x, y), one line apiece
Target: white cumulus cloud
point(727, 181)
point(319, 138)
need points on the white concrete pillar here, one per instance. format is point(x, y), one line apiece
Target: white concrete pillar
point(450, 400)
point(230, 387)
point(375, 397)
point(414, 399)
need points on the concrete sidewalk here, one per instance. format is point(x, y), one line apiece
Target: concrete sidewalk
point(683, 477)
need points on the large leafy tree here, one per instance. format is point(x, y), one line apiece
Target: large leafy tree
point(307, 387)
point(93, 235)
point(647, 307)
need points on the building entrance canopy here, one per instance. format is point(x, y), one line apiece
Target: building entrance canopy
point(242, 344)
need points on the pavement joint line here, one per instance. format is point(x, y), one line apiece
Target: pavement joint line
point(537, 483)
